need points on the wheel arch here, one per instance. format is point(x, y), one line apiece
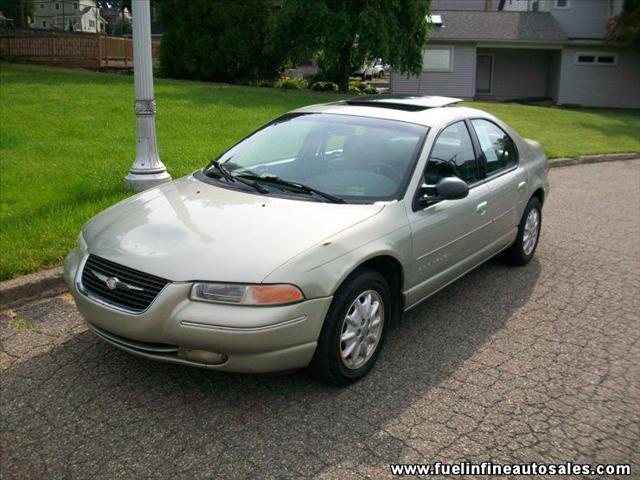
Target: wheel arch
point(391, 269)
point(539, 194)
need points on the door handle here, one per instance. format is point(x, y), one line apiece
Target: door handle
point(521, 186)
point(481, 208)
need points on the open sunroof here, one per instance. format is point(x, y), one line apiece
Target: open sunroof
point(403, 102)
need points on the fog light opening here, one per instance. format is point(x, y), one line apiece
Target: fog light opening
point(202, 356)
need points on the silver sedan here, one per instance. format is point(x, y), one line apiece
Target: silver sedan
point(303, 243)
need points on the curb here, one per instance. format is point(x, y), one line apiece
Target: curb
point(586, 159)
point(45, 283)
point(48, 283)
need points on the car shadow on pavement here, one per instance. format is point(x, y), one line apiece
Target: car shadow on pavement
point(86, 407)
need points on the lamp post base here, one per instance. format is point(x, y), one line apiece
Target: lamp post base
point(138, 182)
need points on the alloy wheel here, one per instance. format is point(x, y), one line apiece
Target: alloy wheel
point(361, 329)
point(531, 228)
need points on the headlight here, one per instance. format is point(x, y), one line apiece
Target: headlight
point(246, 294)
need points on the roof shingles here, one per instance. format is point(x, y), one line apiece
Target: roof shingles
point(498, 26)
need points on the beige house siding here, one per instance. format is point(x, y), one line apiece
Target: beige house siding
point(458, 83)
point(600, 85)
point(583, 18)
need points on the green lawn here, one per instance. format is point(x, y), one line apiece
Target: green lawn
point(67, 140)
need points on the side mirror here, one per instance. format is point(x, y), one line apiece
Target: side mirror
point(448, 188)
point(452, 188)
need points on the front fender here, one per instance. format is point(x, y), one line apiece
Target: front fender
point(320, 270)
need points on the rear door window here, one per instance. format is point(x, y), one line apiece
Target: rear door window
point(497, 147)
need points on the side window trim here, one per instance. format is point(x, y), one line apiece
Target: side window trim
point(482, 160)
point(480, 163)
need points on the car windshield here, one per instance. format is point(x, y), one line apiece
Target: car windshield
point(357, 159)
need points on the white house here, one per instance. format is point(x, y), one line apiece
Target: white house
point(67, 15)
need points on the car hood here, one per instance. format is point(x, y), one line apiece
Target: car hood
point(189, 230)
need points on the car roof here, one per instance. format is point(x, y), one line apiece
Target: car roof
point(388, 107)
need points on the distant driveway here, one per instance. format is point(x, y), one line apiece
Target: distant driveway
point(507, 365)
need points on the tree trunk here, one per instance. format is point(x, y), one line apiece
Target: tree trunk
point(345, 67)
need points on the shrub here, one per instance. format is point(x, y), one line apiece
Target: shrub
point(262, 83)
point(324, 86)
point(358, 87)
point(291, 83)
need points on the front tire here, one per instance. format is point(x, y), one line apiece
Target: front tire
point(524, 248)
point(354, 329)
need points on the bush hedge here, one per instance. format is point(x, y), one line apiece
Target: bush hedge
point(324, 86)
point(358, 87)
point(291, 83)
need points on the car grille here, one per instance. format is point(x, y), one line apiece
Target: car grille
point(134, 290)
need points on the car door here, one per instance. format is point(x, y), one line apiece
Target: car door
point(449, 236)
point(505, 177)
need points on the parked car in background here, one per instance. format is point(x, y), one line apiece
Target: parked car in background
point(301, 245)
point(375, 69)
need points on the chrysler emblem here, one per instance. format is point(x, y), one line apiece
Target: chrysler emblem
point(112, 283)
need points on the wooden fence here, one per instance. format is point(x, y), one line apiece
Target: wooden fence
point(71, 50)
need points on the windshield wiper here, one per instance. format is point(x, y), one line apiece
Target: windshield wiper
point(300, 186)
point(221, 170)
point(231, 177)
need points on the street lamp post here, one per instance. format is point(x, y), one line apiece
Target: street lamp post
point(147, 170)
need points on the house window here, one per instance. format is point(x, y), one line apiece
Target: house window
point(595, 58)
point(586, 59)
point(57, 6)
point(41, 6)
point(92, 23)
point(607, 59)
point(75, 6)
point(438, 59)
point(563, 4)
point(535, 6)
point(44, 24)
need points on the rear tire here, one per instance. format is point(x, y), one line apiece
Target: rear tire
point(354, 329)
point(524, 248)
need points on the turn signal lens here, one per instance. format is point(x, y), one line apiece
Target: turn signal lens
point(272, 294)
point(246, 294)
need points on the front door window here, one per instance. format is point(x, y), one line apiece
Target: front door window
point(452, 156)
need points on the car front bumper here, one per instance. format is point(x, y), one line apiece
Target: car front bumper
point(252, 339)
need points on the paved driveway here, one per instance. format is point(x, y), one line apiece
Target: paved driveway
point(507, 365)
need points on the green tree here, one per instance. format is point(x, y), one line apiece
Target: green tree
point(220, 40)
point(625, 27)
point(19, 10)
point(346, 32)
